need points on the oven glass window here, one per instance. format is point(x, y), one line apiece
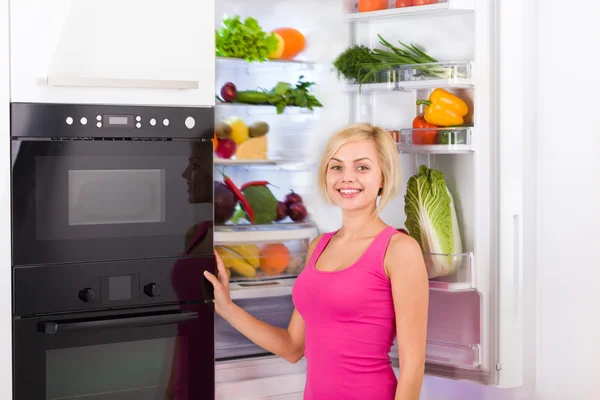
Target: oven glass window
point(139, 370)
point(116, 196)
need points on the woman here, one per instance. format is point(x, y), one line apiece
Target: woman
point(362, 285)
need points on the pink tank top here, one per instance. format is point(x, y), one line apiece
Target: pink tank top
point(350, 326)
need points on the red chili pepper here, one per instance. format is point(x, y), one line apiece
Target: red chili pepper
point(240, 196)
point(254, 183)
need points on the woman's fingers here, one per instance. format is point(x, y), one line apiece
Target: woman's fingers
point(212, 279)
point(221, 272)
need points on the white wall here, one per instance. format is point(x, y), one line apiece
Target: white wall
point(5, 261)
point(568, 198)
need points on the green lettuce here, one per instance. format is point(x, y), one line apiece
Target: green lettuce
point(431, 221)
point(244, 40)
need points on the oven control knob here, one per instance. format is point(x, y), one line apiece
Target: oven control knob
point(87, 295)
point(152, 290)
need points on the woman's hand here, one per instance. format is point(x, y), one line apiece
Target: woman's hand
point(221, 286)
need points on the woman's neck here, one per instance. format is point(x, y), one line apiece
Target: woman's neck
point(361, 223)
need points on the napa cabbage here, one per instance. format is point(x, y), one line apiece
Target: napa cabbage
point(431, 221)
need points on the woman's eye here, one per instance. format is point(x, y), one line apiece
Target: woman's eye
point(335, 167)
point(363, 168)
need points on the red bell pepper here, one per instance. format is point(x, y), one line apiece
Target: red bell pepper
point(424, 136)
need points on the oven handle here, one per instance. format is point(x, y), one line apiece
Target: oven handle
point(53, 328)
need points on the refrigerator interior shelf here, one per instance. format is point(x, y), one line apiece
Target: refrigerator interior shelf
point(260, 109)
point(248, 233)
point(435, 140)
point(265, 66)
point(462, 280)
point(277, 163)
point(261, 288)
point(447, 7)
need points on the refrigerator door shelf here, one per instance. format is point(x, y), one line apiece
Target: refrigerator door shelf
point(443, 8)
point(467, 356)
point(436, 140)
point(462, 280)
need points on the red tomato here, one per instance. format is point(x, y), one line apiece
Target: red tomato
point(404, 3)
point(372, 5)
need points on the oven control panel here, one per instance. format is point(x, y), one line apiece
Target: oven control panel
point(84, 120)
point(96, 286)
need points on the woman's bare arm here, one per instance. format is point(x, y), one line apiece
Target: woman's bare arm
point(285, 343)
point(410, 290)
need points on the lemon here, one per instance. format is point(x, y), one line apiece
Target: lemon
point(239, 130)
point(280, 46)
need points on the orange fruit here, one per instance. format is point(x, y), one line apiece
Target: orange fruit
point(372, 5)
point(274, 258)
point(294, 42)
point(215, 142)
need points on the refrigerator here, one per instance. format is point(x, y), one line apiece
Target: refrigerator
point(475, 328)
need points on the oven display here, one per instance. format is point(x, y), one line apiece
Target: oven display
point(118, 121)
point(119, 288)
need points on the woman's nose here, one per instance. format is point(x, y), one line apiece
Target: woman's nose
point(186, 174)
point(349, 176)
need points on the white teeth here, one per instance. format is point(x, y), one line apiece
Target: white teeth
point(352, 191)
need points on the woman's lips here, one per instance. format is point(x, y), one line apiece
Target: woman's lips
point(349, 193)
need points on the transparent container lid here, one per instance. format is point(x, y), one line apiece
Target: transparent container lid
point(382, 80)
point(449, 73)
point(435, 140)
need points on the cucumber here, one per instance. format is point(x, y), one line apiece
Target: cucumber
point(251, 96)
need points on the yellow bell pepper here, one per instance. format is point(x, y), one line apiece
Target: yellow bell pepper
point(444, 108)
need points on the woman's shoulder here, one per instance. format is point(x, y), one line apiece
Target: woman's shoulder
point(403, 251)
point(402, 244)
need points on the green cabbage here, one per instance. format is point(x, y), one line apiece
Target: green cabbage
point(431, 221)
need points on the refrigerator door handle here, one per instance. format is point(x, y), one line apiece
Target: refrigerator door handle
point(68, 326)
point(518, 266)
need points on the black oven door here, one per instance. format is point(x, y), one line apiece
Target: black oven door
point(156, 354)
point(94, 199)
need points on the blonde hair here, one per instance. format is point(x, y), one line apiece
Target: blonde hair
point(386, 151)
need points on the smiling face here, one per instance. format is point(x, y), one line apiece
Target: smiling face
point(354, 176)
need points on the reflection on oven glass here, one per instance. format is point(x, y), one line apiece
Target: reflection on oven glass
point(116, 196)
point(187, 274)
point(122, 371)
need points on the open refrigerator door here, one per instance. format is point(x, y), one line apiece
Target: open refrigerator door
point(428, 51)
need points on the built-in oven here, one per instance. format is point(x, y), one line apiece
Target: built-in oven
point(98, 182)
point(131, 330)
point(112, 232)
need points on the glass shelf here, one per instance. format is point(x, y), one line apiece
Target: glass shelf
point(435, 140)
point(265, 66)
point(275, 231)
point(278, 163)
point(462, 280)
point(444, 7)
point(261, 109)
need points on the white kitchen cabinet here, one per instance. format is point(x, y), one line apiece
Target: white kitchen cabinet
point(151, 52)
